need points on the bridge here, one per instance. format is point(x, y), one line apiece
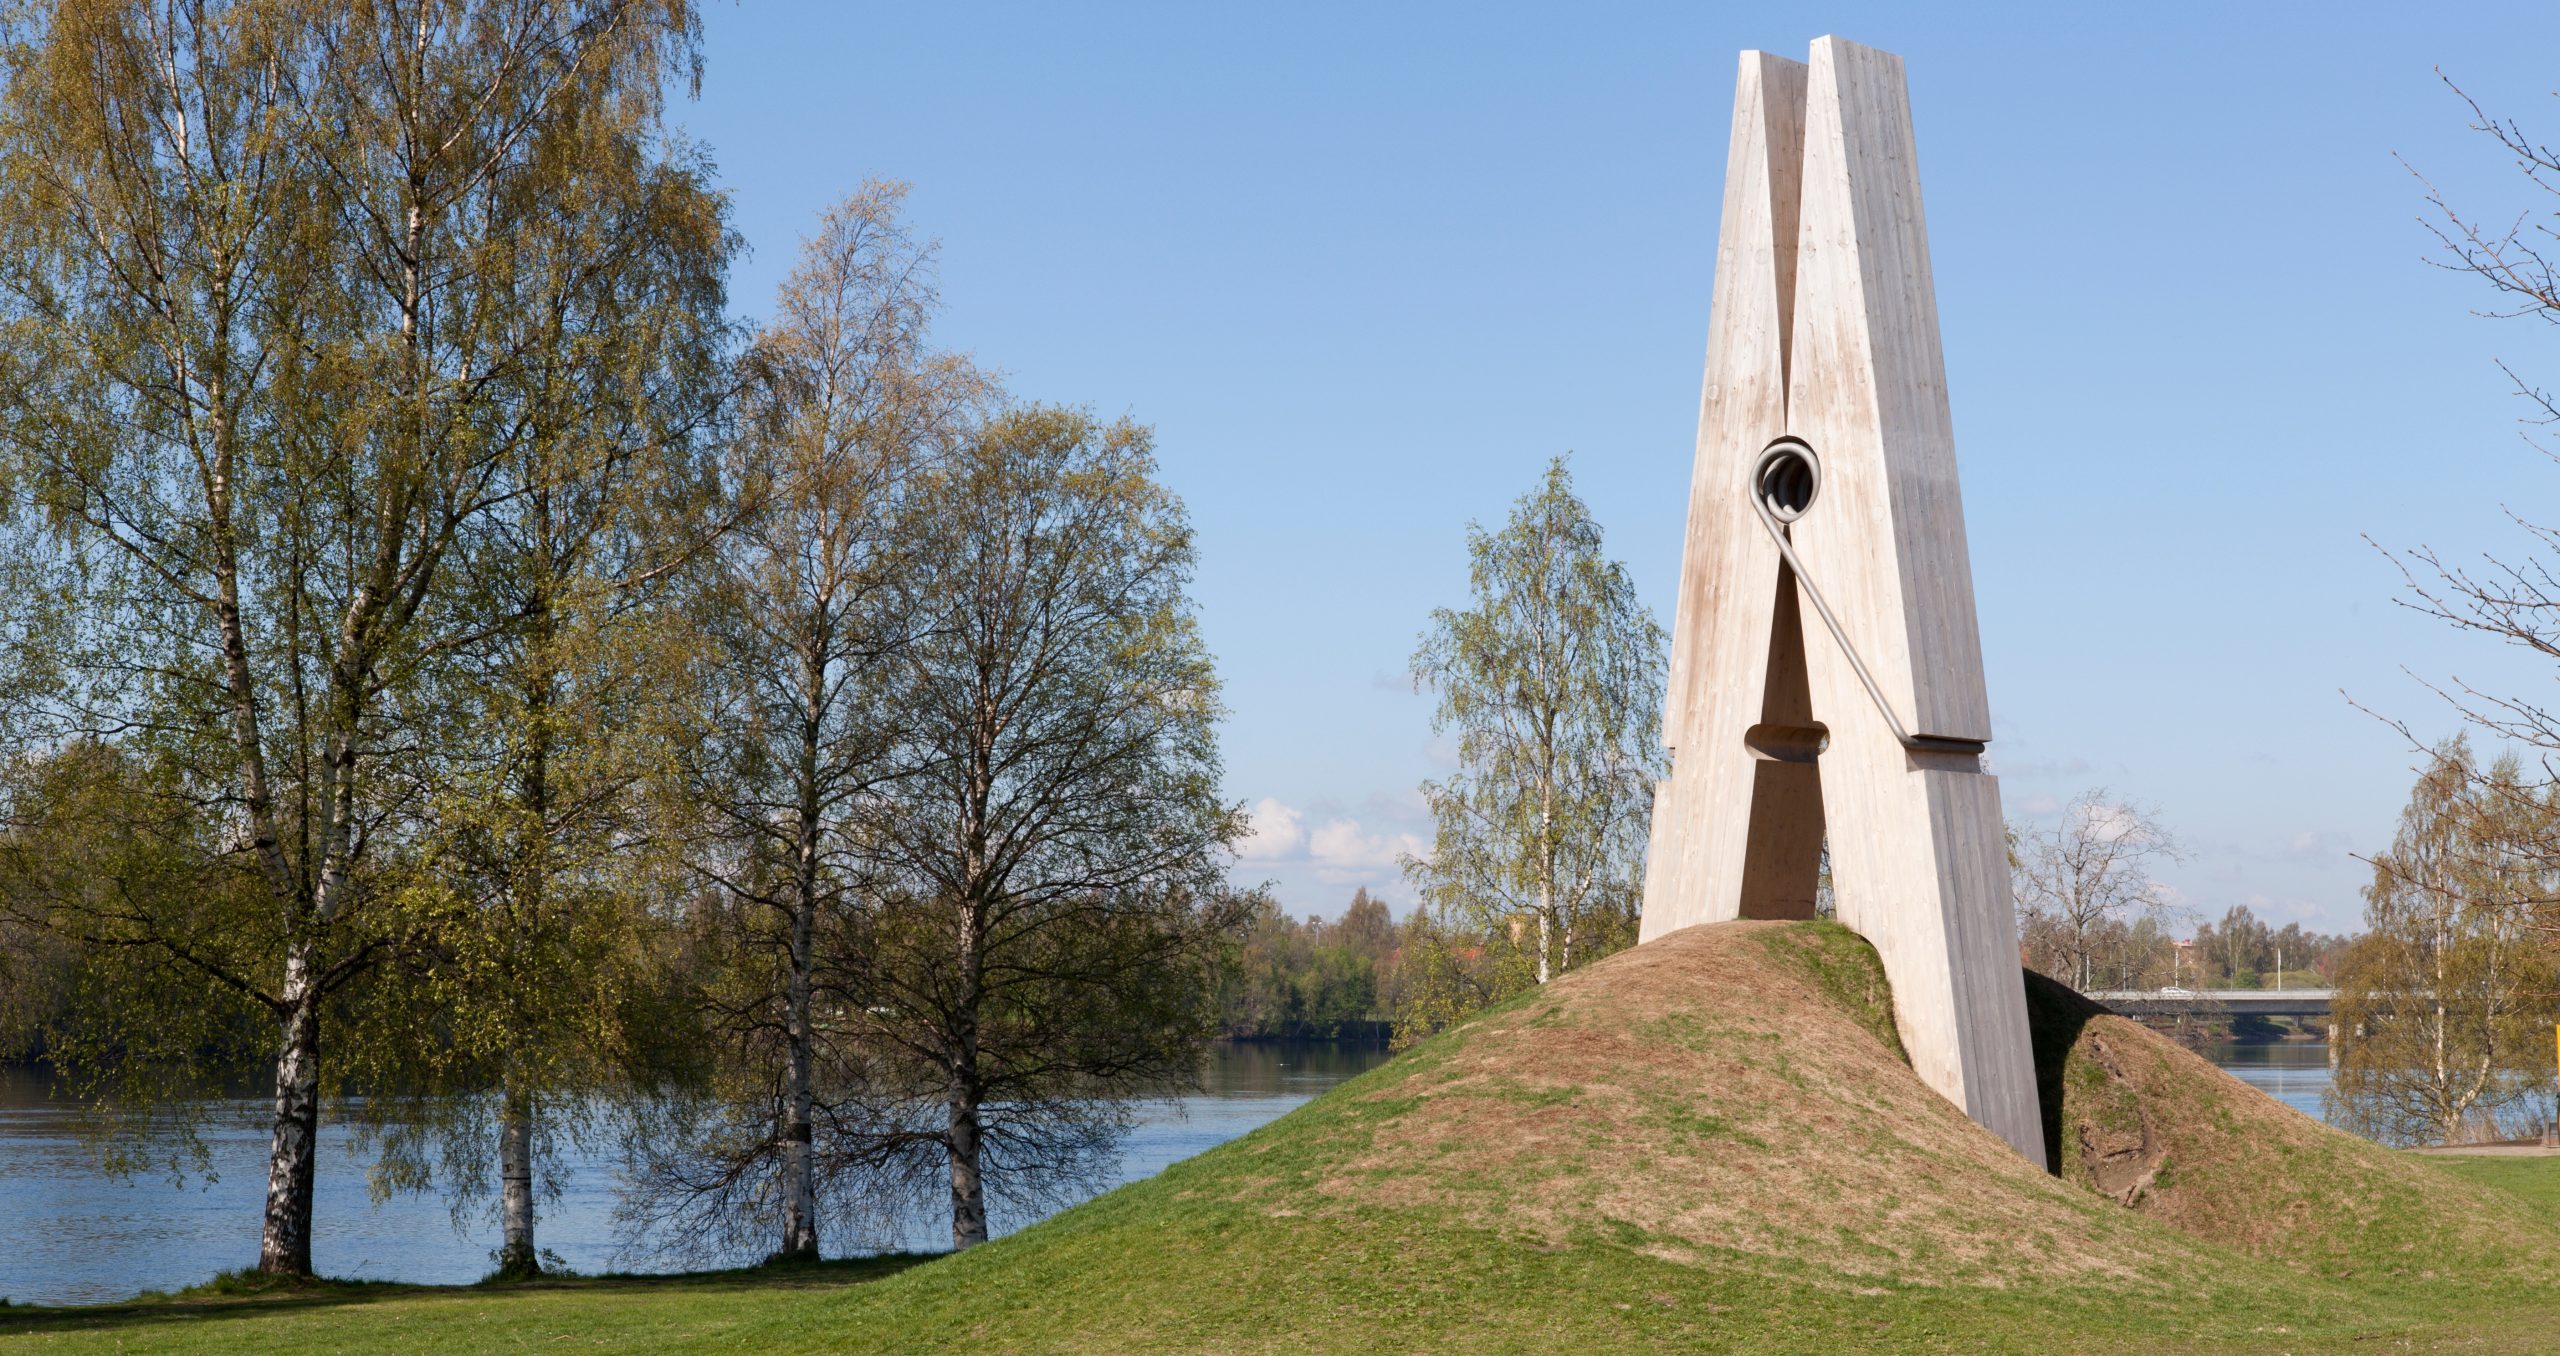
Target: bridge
point(2216, 1002)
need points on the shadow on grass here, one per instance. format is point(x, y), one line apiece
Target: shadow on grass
point(249, 1295)
point(2055, 1014)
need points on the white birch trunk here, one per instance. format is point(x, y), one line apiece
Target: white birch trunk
point(284, 1243)
point(2447, 1118)
point(516, 1256)
point(799, 1131)
point(799, 1183)
point(962, 1136)
point(1546, 855)
point(968, 1192)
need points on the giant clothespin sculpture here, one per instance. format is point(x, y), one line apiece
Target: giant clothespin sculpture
point(1826, 668)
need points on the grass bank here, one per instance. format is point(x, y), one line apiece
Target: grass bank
point(700, 1311)
point(1708, 1144)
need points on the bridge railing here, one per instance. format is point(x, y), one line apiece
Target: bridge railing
point(2269, 1002)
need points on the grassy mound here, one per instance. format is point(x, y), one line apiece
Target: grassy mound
point(2153, 1126)
point(1711, 1143)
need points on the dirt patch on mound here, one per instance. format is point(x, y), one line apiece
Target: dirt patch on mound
point(1734, 1088)
point(2115, 1145)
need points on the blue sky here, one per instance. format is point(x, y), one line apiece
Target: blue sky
point(1365, 268)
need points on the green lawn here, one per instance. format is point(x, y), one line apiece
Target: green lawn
point(1709, 1144)
point(2535, 1180)
point(1364, 1284)
point(1118, 1278)
point(705, 1311)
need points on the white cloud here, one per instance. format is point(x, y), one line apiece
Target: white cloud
point(1279, 833)
point(1317, 858)
point(1342, 847)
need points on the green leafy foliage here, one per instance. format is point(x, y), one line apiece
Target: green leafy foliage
point(300, 351)
point(1552, 683)
point(2444, 1005)
point(1291, 979)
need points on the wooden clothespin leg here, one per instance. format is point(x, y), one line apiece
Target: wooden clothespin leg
point(1826, 671)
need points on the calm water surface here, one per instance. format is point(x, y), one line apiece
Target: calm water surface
point(2295, 1073)
point(73, 1236)
point(76, 1237)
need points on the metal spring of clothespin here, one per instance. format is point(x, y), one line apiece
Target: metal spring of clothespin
point(1784, 481)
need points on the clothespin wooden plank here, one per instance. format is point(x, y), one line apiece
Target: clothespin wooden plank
point(1779, 730)
point(1705, 864)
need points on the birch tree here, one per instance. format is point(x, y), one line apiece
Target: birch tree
point(541, 833)
point(260, 270)
point(2443, 1005)
point(1055, 844)
point(801, 620)
point(1552, 684)
point(2087, 879)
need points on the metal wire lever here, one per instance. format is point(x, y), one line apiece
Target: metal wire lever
point(1783, 484)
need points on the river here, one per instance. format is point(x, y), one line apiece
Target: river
point(77, 1237)
point(2295, 1073)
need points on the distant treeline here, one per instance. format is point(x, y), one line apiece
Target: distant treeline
point(2240, 952)
point(1292, 979)
point(1346, 978)
point(2244, 953)
point(1363, 976)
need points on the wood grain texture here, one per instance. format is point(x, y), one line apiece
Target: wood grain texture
point(1722, 629)
point(1919, 856)
point(1888, 537)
